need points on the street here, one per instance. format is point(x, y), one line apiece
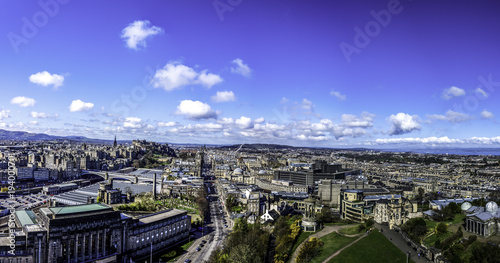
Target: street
point(214, 233)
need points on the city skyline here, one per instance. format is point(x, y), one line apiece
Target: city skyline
point(366, 73)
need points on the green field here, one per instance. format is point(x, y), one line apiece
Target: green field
point(353, 230)
point(332, 243)
point(375, 248)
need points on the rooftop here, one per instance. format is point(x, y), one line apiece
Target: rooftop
point(78, 209)
point(26, 217)
point(162, 215)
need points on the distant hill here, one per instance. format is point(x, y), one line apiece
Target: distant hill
point(27, 136)
point(254, 146)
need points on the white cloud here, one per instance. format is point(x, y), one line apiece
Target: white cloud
point(223, 96)
point(226, 121)
point(364, 121)
point(338, 95)
point(174, 76)
point(428, 140)
point(195, 110)
point(241, 68)
point(43, 115)
point(259, 120)
point(307, 104)
point(484, 140)
point(244, 122)
point(78, 105)
point(4, 114)
point(208, 79)
point(135, 33)
point(166, 124)
point(132, 122)
point(340, 131)
point(452, 92)
point(23, 101)
point(403, 123)
point(451, 116)
point(44, 78)
point(487, 115)
point(284, 100)
point(482, 92)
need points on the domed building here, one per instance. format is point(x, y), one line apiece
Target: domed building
point(483, 221)
point(238, 175)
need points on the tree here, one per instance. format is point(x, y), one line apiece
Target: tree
point(454, 208)
point(326, 216)
point(415, 228)
point(441, 228)
point(309, 250)
point(485, 252)
point(369, 223)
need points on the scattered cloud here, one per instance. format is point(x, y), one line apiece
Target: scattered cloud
point(364, 121)
point(44, 78)
point(175, 76)
point(428, 140)
point(241, 68)
point(284, 100)
point(259, 120)
point(43, 115)
point(4, 114)
point(23, 101)
point(132, 122)
point(481, 92)
point(225, 121)
point(487, 115)
point(441, 141)
point(244, 122)
point(338, 95)
point(403, 123)
point(451, 116)
point(166, 124)
point(223, 96)
point(307, 104)
point(195, 110)
point(78, 105)
point(451, 92)
point(136, 33)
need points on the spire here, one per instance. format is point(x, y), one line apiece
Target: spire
point(114, 143)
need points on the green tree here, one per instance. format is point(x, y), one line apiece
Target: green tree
point(309, 250)
point(485, 253)
point(441, 228)
point(415, 228)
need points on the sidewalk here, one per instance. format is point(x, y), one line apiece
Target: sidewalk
point(398, 240)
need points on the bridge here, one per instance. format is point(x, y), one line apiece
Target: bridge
point(142, 175)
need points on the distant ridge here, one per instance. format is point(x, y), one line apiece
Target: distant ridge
point(27, 136)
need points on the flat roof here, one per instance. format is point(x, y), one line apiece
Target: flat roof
point(26, 217)
point(162, 215)
point(78, 209)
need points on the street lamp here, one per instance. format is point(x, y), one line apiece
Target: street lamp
point(407, 256)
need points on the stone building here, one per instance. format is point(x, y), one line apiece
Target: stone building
point(91, 233)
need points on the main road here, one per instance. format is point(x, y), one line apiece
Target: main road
point(214, 233)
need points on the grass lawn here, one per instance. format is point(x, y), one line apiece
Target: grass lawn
point(175, 252)
point(431, 240)
point(337, 224)
point(332, 243)
point(374, 248)
point(353, 230)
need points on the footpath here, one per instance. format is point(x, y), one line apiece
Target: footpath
point(323, 232)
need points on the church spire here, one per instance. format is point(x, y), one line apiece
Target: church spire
point(114, 143)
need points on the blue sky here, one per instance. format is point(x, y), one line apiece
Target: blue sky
point(316, 73)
